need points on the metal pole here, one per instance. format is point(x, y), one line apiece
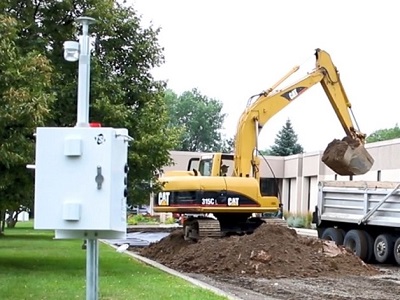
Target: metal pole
point(151, 205)
point(96, 267)
point(92, 269)
point(84, 73)
point(92, 250)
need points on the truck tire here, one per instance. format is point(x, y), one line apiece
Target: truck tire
point(356, 241)
point(396, 250)
point(383, 247)
point(343, 232)
point(333, 234)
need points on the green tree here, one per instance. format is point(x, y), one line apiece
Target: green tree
point(199, 119)
point(286, 142)
point(265, 152)
point(123, 91)
point(25, 80)
point(227, 145)
point(384, 134)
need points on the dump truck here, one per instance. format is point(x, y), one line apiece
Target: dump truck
point(363, 216)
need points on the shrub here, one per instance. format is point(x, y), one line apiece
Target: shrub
point(290, 221)
point(170, 220)
point(287, 214)
point(308, 219)
point(132, 220)
point(136, 219)
point(300, 220)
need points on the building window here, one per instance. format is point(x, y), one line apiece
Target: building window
point(309, 194)
point(351, 177)
point(378, 175)
point(335, 177)
point(289, 192)
point(269, 187)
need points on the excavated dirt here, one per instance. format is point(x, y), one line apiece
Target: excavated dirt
point(271, 252)
point(337, 148)
point(347, 157)
point(385, 286)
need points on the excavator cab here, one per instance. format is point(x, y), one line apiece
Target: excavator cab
point(216, 164)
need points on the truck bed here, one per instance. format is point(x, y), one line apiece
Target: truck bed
point(361, 202)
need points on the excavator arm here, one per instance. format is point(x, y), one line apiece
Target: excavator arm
point(336, 94)
point(269, 103)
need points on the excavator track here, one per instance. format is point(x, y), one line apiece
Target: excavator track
point(199, 228)
point(209, 228)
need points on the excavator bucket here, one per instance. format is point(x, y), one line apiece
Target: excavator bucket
point(347, 157)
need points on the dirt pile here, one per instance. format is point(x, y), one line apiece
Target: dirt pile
point(347, 157)
point(271, 252)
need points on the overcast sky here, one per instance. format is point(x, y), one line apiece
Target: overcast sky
point(232, 49)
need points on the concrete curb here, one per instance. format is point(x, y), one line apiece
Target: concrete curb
point(178, 274)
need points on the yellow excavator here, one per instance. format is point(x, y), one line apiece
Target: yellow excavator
point(223, 204)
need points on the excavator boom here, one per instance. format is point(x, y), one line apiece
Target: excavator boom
point(345, 157)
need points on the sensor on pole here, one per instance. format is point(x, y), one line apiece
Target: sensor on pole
point(81, 173)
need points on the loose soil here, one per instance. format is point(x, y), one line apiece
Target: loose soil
point(378, 287)
point(271, 252)
point(347, 157)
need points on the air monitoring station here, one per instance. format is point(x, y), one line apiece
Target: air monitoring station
point(81, 173)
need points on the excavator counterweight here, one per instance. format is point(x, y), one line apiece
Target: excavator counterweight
point(347, 157)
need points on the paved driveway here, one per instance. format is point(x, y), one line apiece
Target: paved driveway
point(139, 239)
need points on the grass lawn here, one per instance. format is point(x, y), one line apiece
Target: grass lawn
point(34, 266)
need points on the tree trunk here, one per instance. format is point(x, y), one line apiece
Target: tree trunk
point(2, 221)
point(12, 218)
